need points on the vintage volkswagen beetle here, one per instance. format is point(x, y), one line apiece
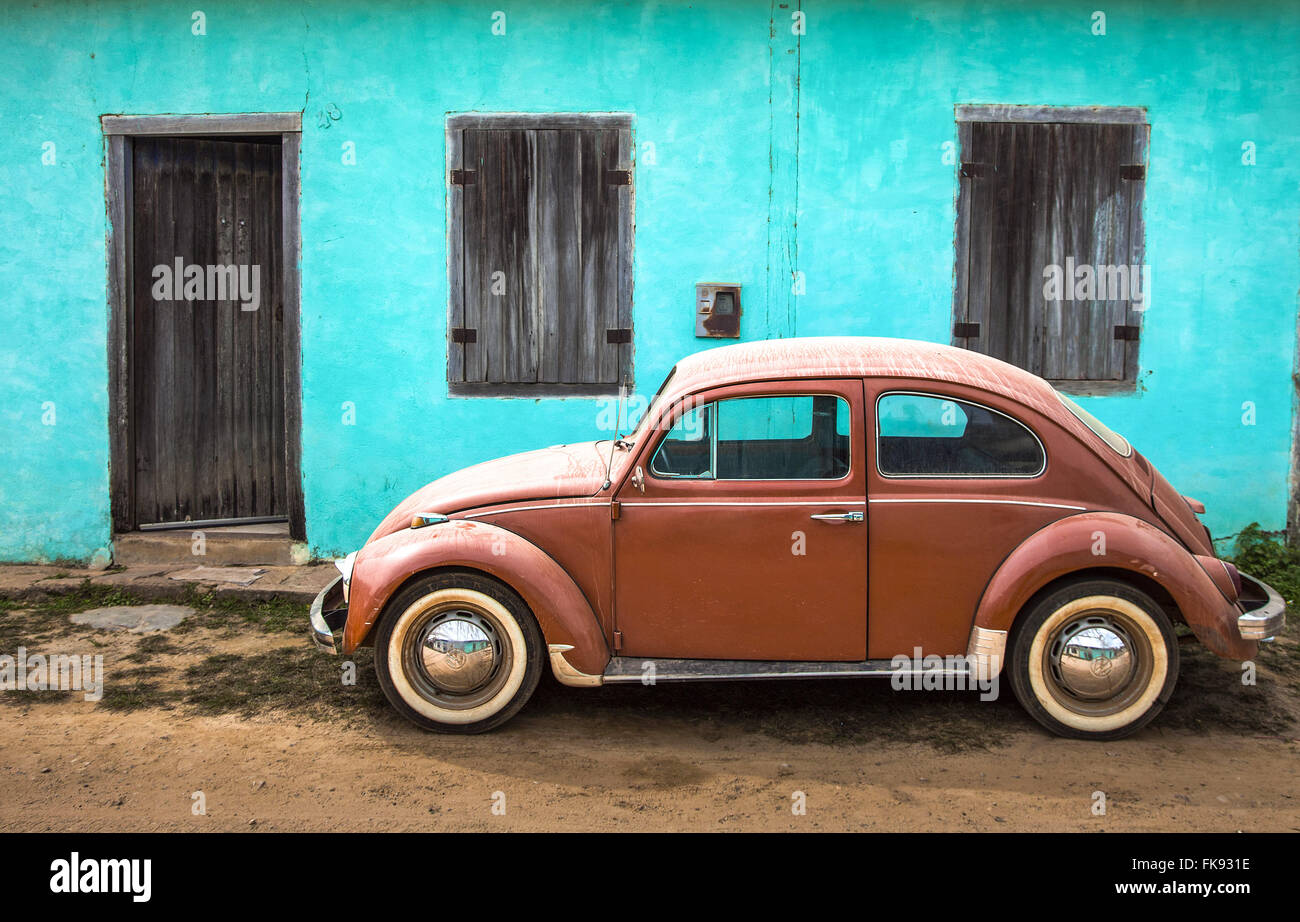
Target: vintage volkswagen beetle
point(803, 508)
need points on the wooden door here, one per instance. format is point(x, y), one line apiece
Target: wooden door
point(207, 331)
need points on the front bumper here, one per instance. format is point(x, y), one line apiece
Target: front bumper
point(329, 612)
point(1265, 610)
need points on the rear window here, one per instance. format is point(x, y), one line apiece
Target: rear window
point(1112, 438)
point(929, 435)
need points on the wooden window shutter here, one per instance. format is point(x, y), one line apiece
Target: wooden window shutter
point(1051, 194)
point(544, 268)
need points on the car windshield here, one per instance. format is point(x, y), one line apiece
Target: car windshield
point(1116, 441)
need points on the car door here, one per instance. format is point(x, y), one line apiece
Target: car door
point(958, 481)
point(741, 533)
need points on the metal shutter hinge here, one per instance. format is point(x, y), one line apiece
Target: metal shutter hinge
point(463, 177)
point(618, 177)
point(965, 330)
point(974, 170)
point(1127, 333)
point(464, 335)
point(1134, 171)
point(622, 335)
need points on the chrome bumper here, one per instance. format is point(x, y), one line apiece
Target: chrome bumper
point(328, 615)
point(1265, 610)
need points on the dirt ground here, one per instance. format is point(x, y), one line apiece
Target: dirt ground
point(235, 704)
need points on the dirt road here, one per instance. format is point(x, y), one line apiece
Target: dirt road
point(235, 714)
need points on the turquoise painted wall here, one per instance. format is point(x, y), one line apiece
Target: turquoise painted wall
point(823, 155)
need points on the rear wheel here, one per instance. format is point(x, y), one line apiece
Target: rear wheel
point(1097, 659)
point(458, 653)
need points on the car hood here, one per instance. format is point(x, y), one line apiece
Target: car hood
point(560, 471)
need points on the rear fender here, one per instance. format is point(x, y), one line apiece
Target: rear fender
point(1113, 541)
point(562, 611)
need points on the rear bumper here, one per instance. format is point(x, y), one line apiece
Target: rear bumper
point(329, 612)
point(1265, 610)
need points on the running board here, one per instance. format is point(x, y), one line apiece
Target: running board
point(627, 669)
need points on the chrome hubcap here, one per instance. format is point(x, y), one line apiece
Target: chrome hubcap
point(459, 652)
point(1093, 658)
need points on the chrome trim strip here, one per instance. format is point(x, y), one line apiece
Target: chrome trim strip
point(564, 672)
point(557, 505)
point(997, 502)
point(829, 501)
point(937, 396)
point(883, 671)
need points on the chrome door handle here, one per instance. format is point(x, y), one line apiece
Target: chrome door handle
point(838, 516)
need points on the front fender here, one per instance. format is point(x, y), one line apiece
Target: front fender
point(1093, 540)
point(562, 611)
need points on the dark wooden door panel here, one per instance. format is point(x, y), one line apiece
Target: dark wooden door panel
point(207, 371)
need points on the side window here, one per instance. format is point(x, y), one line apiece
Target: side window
point(803, 437)
point(920, 435)
point(686, 450)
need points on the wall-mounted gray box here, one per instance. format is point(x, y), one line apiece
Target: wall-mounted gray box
point(717, 311)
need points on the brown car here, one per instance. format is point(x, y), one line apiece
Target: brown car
point(805, 508)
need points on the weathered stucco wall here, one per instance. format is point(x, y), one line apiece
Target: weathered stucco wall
point(824, 155)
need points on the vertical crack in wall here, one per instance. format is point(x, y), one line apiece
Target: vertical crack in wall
point(784, 78)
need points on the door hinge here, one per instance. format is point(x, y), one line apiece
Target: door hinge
point(618, 177)
point(974, 170)
point(1127, 333)
point(621, 335)
point(464, 335)
point(1133, 171)
point(463, 177)
point(618, 641)
point(614, 511)
point(965, 330)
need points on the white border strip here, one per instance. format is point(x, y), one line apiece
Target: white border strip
point(993, 502)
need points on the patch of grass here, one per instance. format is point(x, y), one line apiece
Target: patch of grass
point(23, 696)
point(297, 677)
point(302, 679)
point(1264, 555)
point(42, 616)
point(150, 646)
point(275, 615)
point(131, 696)
point(24, 621)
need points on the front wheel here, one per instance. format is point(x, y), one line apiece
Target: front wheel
point(1095, 660)
point(458, 653)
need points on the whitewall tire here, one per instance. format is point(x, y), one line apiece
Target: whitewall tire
point(458, 653)
point(1095, 659)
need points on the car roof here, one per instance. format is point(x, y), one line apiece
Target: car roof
point(864, 357)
